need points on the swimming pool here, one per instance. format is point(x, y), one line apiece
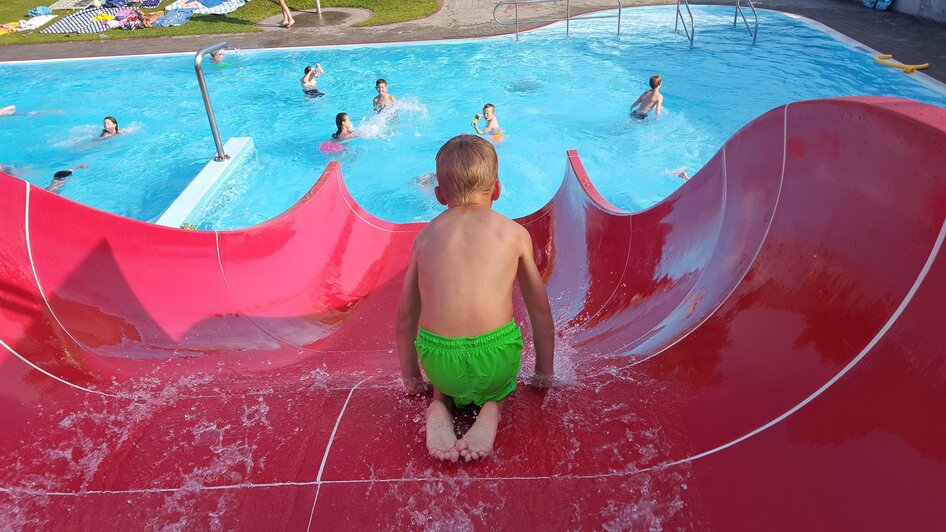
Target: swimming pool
point(552, 93)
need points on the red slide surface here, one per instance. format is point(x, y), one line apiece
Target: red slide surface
point(762, 350)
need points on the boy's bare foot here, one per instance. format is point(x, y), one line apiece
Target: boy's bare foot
point(477, 443)
point(441, 440)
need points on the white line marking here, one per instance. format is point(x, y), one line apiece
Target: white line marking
point(318, 479)
point(338, 182)
point(742, 278)
point(880, 334)
point(39, 287)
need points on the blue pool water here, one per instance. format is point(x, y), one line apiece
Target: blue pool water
point(552, 93)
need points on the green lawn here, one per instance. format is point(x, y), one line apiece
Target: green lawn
point(242, 20)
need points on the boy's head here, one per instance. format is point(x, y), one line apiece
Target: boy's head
point(655, 81)
point(466, 165)
point(489, 110)
point(381, 86)
point(308, 69)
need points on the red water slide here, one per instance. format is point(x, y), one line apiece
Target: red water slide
point(762, 350)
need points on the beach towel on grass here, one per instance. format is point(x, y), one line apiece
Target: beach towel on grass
point(71, 4)
point(148, 4)
point(82, 22)
point(178, 17)
point(223, 8)
point(34, 23)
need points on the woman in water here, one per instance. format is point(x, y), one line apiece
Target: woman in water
point(110, 127)
point(343, 127)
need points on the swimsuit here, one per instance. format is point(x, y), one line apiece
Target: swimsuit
point(313, 93)
point(638, 115)
point(472, 369)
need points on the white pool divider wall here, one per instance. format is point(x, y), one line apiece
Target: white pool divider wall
point(203, 187)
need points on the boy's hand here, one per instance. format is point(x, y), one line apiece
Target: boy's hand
point(538, 380)
point(417, 386)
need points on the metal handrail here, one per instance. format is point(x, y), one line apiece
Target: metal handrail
point(567, 18)
point(689, 31)
point(739, 12)
point(203, 92)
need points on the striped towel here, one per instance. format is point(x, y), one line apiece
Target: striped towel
point(82, 22)
point(150, 3)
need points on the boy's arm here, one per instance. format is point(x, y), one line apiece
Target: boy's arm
point(637, 101)
point(408, 315)
point(660, 105)
point(318, 70)
point(540, 313)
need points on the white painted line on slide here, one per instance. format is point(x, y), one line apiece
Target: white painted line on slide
point(331, 439)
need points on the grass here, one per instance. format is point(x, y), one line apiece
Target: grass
point(242, 20)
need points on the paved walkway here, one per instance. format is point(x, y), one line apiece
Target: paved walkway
point(909, 39)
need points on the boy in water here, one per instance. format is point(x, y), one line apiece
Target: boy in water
point(383, 99)
point(309, 85)
point(492, 123)
point(455, 313)
point(651, 99)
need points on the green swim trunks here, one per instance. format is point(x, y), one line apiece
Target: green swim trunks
point(472, 369)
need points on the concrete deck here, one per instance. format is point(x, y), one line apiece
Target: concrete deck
point(909, 39)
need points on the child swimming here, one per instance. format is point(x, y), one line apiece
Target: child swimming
point(343, 128)
point(492, 123)
point(109, 127)
point(651, 99)
point(383, 99)
point(309, 85)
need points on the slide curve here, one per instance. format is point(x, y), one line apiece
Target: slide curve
point(764, 349)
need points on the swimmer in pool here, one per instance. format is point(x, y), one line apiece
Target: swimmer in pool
point(492, 123)
point(383, 99)
point(309, 85)
point(650, 100)
point(109, 127)
point(344, 129)
point(59, 178)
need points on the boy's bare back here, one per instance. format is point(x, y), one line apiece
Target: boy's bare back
point(467, 262)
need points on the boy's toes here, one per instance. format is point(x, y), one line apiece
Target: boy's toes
point(461, 446)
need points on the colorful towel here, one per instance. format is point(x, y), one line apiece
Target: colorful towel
point(149, 4)
point(39, 11)
point(200, 9)
point(81, 22)
point(71, 4)
point(178, 17)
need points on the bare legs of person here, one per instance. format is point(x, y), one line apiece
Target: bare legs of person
point(477, 443)
point(441, 438)
point(287, 20)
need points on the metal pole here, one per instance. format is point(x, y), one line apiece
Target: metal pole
point(620, 8)
point(318, 6)
point(517, 21)
point(568, 13)
point(203, 92)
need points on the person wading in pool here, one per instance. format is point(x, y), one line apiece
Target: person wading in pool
point(650, 100)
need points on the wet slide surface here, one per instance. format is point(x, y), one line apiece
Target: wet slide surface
point(761, 350)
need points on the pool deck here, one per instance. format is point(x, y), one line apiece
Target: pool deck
point(909, 39)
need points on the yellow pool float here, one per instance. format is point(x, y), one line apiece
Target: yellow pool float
point(907, 69)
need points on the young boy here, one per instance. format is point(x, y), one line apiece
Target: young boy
point(455, 313)
point(383, 99)
point(651, 99)
point(492, 123)
point(309, 84)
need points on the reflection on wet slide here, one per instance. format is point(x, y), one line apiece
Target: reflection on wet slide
point(761, 350)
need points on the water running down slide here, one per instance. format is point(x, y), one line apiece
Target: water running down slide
point(761, 350)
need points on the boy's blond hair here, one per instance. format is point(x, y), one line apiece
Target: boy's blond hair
point(655, 81)
point(466, 165)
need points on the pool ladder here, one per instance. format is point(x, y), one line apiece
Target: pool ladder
point(690, 30)
point(567, 18)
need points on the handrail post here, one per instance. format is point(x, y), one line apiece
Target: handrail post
point(568, 16)
point(517, 21)
point(203, 92)
point(620, 8)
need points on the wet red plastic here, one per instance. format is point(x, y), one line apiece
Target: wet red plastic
point(762, 350)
